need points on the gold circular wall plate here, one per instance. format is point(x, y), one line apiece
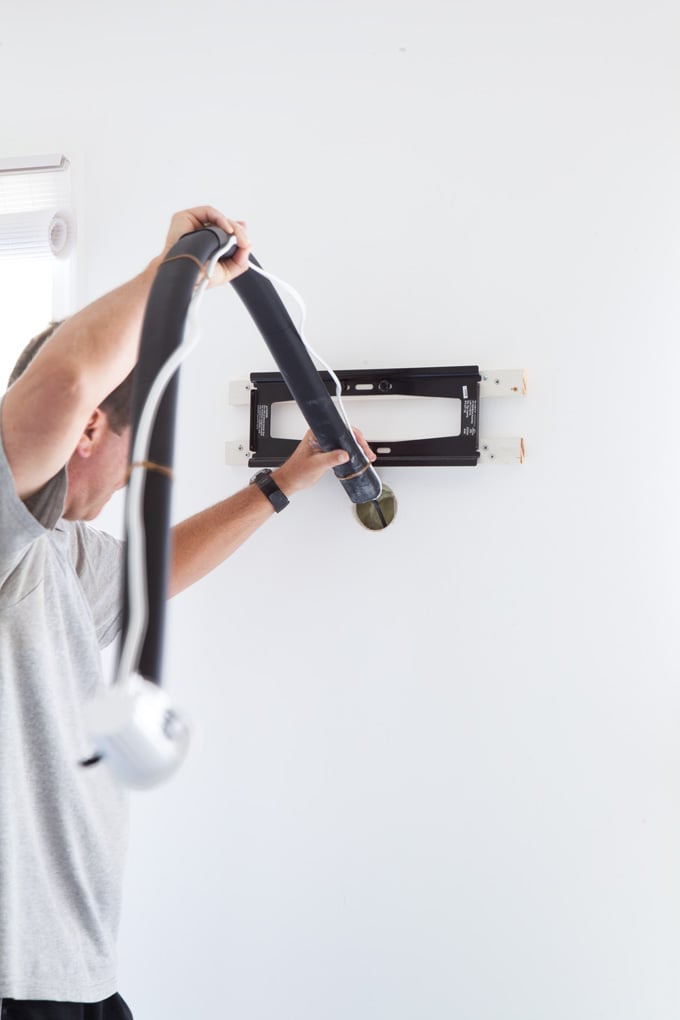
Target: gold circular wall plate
point(377, 514)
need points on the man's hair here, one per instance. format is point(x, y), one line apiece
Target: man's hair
point(117, 406)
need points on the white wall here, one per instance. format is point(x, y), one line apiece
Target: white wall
point(438, 771)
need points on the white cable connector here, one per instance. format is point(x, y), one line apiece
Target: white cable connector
point(137, 731)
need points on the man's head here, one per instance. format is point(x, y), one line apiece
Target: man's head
point(98, 465)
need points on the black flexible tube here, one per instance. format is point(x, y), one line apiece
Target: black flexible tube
point(359, 480)
point(162, 334)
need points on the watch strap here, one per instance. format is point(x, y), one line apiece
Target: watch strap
point(266, 484)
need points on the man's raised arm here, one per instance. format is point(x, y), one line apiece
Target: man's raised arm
point(45, 411)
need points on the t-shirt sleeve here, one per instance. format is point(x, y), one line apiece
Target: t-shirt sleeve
point(96, 557)
point(22, 523)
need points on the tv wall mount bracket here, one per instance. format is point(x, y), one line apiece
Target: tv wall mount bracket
point(469, 384)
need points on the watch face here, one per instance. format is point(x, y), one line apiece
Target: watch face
point(260, 476)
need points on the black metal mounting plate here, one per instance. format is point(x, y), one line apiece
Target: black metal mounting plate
point(462, 450)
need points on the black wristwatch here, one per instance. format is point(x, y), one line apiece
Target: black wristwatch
point(264, 481)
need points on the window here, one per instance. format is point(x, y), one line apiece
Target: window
point(37, 240)
point(27, 307)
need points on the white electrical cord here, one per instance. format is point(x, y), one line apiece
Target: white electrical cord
point(312, 353)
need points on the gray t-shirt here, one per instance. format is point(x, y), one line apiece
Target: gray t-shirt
point(63, 827)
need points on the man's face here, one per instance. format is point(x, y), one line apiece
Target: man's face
point(94, 478)
point(113, 462)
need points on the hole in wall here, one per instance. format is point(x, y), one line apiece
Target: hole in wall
point(377, 514)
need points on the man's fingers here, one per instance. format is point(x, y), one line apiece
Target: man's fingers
point(200, 216)
point(344, 456)
point(359, 436)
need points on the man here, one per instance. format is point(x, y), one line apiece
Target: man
point(63, 828)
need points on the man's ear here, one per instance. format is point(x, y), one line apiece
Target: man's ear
point(91, 432)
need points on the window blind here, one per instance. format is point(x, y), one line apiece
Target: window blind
point(36, 212)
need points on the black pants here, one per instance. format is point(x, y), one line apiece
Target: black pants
point(36, 1009)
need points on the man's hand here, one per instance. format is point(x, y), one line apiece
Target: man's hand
point(194, 219)
point(308, 463)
